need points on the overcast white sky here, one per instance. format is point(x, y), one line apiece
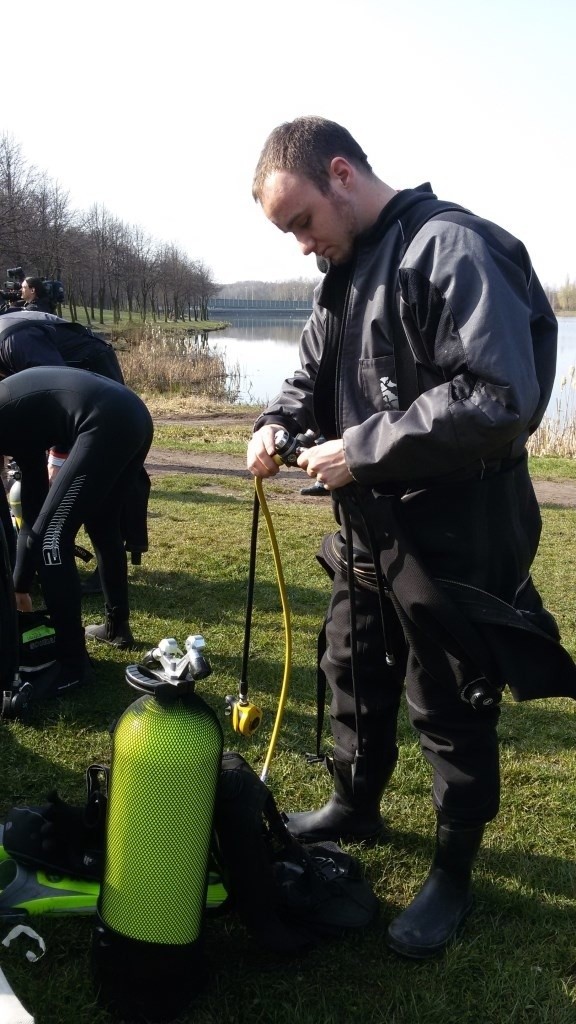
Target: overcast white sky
point(159, 111)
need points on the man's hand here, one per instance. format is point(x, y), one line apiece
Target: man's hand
point(23, 602)
point(259, 457)
point(326, 462)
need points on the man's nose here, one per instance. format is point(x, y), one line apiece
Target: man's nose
point(307, 245)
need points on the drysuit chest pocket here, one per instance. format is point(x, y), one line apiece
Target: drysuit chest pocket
point(377, 380)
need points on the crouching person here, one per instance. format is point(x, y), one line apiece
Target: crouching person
point(108, 431)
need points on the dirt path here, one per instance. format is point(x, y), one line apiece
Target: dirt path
point(162, 461)
point(560, 493)
point(287, 482)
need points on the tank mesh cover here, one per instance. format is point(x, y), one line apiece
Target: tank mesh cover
point(165, 768)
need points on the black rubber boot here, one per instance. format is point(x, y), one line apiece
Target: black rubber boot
point(114, 631)
point(316, 490)
point(426, 927)
point(351, 816)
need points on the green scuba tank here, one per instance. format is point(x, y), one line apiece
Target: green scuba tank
point(165, 766)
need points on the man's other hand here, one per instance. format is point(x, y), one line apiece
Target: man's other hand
point(326, 462)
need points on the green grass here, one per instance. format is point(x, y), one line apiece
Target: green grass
point(229, 440)
point(544, 467)
point(125, 326)
point(515, 962)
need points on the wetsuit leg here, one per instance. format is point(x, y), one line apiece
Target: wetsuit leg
point(53, 535)
point(7, 526)
point(91, 471)
point(104, 527)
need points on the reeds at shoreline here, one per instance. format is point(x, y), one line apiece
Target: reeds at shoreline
point(186, 364)
point(556, 435)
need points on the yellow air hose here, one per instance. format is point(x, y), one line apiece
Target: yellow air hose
point(287, 629)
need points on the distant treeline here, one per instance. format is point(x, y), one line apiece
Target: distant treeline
point(284, 291)
point(562, 299)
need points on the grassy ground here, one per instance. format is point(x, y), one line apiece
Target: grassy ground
point(515, 962)
point(125, 326)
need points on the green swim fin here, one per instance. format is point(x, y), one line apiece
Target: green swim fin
point(24, 892)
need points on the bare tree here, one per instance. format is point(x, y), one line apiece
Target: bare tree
point(17, 183)
point(50, 219)
point(205, 289)
point(142, 271)
point(98, 225)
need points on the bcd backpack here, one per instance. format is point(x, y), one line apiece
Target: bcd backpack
point(287, 894)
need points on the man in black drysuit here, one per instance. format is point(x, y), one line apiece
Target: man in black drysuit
point(427, 362)
point(107, 430)
point(32, 338)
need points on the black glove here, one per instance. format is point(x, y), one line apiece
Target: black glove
point(60, 837)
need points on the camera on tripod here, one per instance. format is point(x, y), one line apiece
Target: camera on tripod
point(10, 293)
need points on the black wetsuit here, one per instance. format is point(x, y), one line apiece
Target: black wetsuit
point(31, 338)
point(108, 431)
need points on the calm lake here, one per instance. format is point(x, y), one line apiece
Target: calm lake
point(265, 352)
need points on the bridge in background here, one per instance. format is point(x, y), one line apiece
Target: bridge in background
point(281, 308)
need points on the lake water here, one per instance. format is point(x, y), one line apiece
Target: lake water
point(265, 352)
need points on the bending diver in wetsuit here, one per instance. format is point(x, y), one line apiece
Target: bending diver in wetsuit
point(108, 431)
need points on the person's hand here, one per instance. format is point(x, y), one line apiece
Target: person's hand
point(23, 602)
point(260, 455)
point(326, 462)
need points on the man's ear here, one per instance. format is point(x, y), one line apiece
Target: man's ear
point(342, 171)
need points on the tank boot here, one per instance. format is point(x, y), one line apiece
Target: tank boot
point(350, 815)
point(114, 631)
point(426, 927)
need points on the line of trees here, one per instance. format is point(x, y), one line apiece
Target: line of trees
point(103, 262)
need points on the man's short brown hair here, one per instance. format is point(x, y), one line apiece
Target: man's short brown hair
point(306, 146)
